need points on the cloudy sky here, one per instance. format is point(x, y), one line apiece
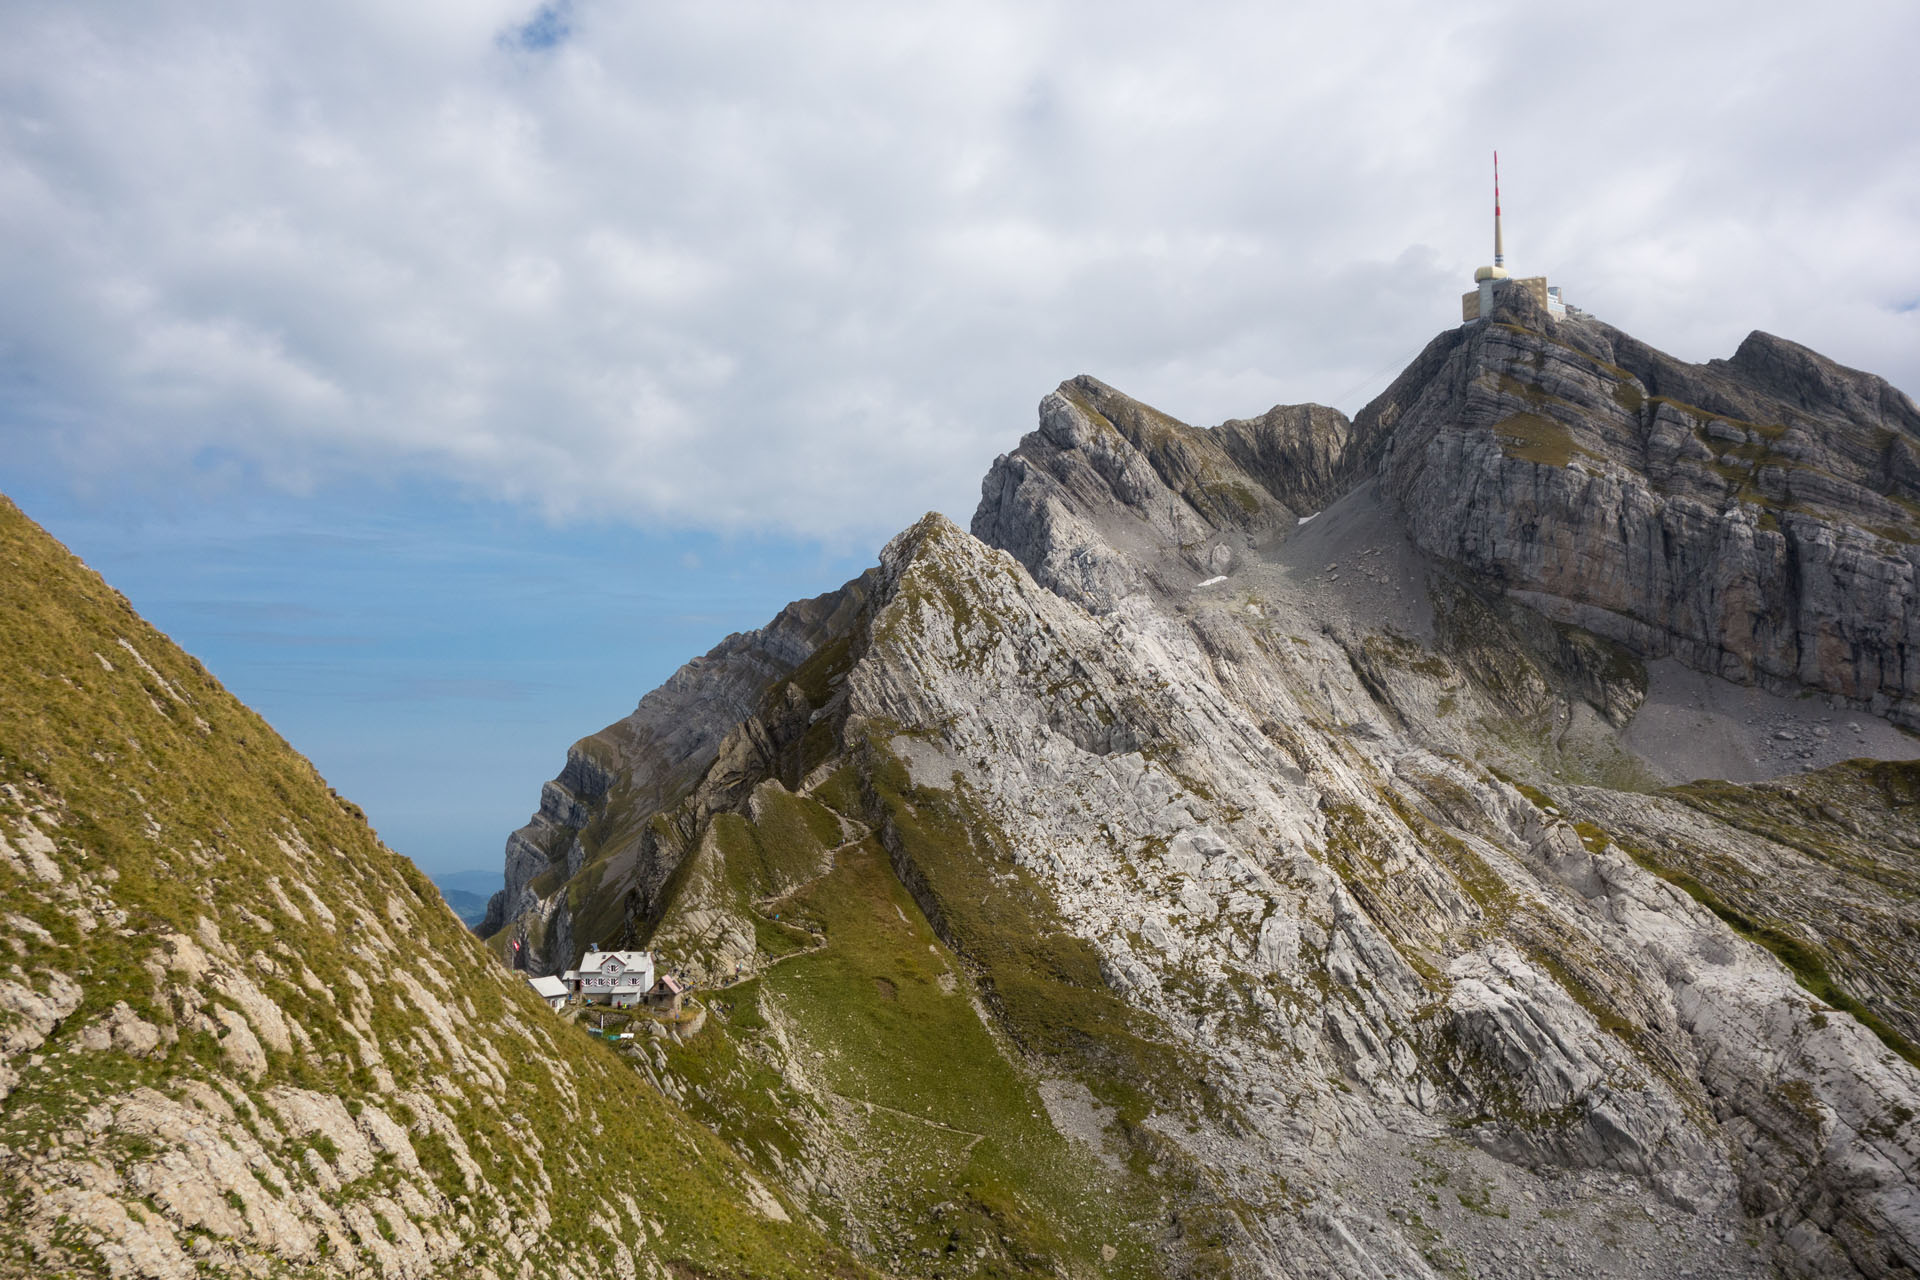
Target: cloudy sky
point(444, 373)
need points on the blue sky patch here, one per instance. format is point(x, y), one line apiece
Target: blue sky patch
point(549, 26)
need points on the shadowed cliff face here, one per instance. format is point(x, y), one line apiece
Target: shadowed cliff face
point(635, 767)
point(1200, 855)
point(1754, 517)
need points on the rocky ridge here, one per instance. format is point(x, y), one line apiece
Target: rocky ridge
point(1298, 858)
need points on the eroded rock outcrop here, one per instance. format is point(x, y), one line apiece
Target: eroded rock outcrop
point(635, 767)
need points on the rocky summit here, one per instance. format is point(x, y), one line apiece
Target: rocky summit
point(1477, 838)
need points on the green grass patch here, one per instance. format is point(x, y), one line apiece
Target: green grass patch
point(1044, 980)
point(946, 1117)
point(1533, 437)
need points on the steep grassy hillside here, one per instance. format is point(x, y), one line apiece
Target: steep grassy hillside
point(864, 1072)
point(238, 1035)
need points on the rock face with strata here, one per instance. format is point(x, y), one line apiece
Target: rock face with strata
point(1755, 517)
point(1099, 453)
point(638, 765)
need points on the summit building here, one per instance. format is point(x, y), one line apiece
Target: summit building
point(1477, 303)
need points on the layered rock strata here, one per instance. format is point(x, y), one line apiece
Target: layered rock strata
point(1754, 517)
point(636, 766)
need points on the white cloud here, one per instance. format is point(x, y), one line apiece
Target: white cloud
point(809, 267)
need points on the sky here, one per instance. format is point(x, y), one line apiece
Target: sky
point(445, 374)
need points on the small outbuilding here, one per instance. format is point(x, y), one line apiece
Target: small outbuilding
point(666, 994)
point(550, 989)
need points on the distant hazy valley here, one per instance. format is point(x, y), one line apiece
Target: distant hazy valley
point(468, 892)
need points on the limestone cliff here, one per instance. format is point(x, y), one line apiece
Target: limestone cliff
point(1758, 517)
point(239, 1036)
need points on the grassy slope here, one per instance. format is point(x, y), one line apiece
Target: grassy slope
point(940, 1123)
point(905, 1060)
point(175, 805)
point(948, 901)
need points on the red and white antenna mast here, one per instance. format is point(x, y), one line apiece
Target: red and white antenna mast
point(1499, 258)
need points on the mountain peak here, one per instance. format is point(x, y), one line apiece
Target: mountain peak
point(1807, 380)
point(1688, 510)
point(1308, 814)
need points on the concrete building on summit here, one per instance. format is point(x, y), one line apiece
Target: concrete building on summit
point(1478, 303)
